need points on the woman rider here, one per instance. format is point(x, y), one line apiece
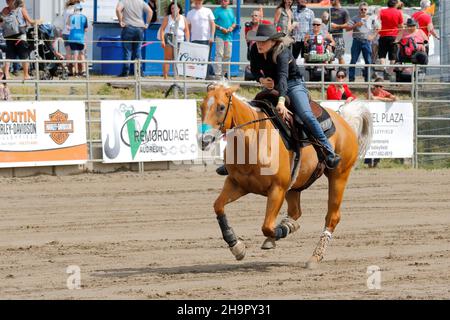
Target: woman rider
point(272, 63)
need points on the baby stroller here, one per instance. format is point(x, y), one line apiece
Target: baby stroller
point(318, 51)
point(408, 54)
point(45, 51)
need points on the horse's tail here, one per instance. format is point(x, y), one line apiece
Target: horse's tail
point(360, 119)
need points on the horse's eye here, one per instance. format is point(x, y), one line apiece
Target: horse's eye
point(220, 108)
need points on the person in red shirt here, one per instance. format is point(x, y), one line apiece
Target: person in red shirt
point(378, 93)
point(340, 91)
point(391, 21)
point(424, 19)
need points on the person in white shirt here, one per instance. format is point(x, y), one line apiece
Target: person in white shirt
point(202, 27)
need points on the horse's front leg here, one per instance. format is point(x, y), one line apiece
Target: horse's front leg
point(275, 199)
point(290, 222)
point(230, 192)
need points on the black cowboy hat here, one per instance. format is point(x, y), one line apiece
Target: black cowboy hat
point(264, 32)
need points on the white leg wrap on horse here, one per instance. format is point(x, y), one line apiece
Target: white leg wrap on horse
point(238, 250)
point(325, 239)
point(292, 224)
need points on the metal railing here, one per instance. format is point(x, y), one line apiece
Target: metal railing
point(424, 81)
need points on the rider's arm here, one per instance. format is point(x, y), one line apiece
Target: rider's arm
point(283, 72)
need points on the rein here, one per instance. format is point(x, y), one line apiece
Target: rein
point(241, 125)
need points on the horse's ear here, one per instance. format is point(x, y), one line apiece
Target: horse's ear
point(210, 87)
point(229, 91)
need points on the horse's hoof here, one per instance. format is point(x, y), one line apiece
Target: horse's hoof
point(268, 244)
point(312, 263)
point(238, 250)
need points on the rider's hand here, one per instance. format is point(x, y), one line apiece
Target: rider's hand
point(284, 112)
point(267, 83)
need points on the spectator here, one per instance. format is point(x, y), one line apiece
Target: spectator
point(412, 43)
point(375, 24)
point(401, 6)
point(325, 22)
point(391, 20)
point(202, 28)
point(340, 91)
point(68, 11)
point(339, 20)
point(424, 19)
point(174, 14)
point(16, 39)
point(154, 6)
point(253, 26)
point(225, 23)
point(303, 19)
point(378, 93)
point(315, 41)
point(284, 17)
point(78, 28)
point(5, 94)
point(129, 14)
point(362, 37)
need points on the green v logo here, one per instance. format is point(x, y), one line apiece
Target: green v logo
point(135, 141)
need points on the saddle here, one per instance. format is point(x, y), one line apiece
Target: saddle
point(297, 137)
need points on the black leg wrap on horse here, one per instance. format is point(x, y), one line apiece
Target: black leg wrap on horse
point(227, 231)
point(281, 231)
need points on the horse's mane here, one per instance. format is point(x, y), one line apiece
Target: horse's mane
point(226, 85)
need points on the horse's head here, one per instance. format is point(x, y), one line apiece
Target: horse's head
point(217, 113)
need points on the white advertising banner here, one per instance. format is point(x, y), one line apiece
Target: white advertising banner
point(41, 133)
point(149, 130)
point(196, 53)
point(393, 128)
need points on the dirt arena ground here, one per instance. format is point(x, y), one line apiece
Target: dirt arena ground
point(155, 236)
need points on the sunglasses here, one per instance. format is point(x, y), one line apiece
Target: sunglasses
point(315, 24)
point(340, 77)
point(378, 86)
point(363, 9)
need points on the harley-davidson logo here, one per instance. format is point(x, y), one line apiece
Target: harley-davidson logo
point(58, 126)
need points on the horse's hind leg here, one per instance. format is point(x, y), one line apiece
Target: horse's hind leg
point(230, 192)
point(337, 182)
point(294, 212)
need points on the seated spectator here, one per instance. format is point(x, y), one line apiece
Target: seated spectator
point(174, 13)
point(319, 42)
point(413, 44)
point(378, 93)
point(340, 91)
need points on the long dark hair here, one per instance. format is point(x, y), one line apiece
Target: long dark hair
point(169, 8)
point(283, 4)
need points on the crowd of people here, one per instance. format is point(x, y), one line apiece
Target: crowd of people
point(378, 34)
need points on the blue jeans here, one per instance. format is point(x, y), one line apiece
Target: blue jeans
point(131, 50)
point(210, 69)
point(357, 46)
point(298, 95)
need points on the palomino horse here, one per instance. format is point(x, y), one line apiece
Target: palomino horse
point(222, 110)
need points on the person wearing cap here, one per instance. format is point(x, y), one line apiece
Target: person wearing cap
point(413, 43)
point(130, 15)
point(424, 19)
point(273, 65)
point(78, 26)
point(377, 92)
